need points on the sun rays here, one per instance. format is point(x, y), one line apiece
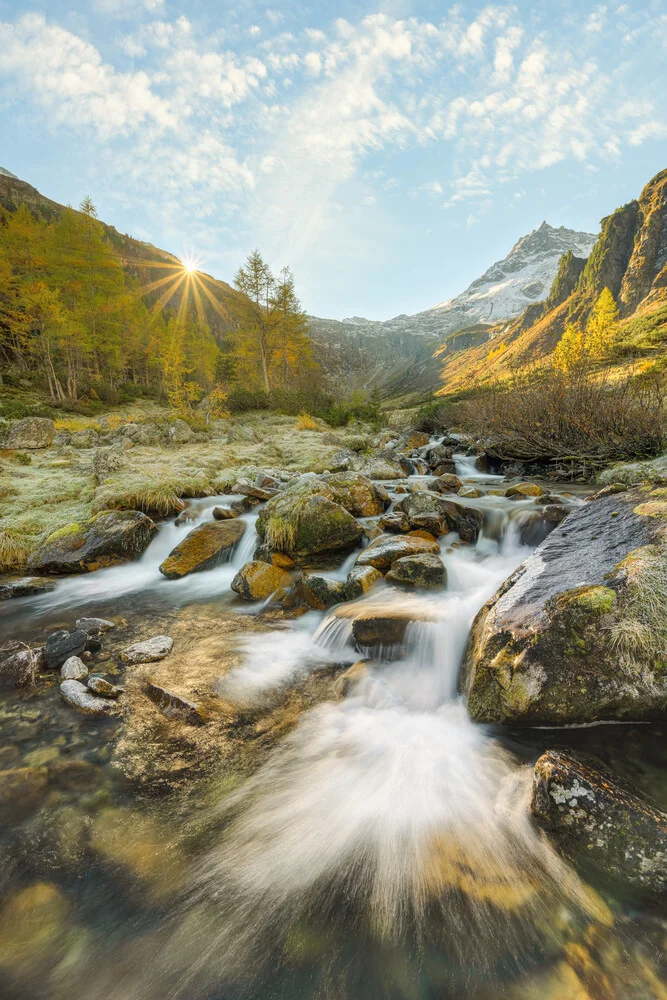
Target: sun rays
point(183, 288)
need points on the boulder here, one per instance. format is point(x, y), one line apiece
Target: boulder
point(360, 580)
point(438, 453)
point(426, 570)
point(94, 626)
point(31, 432)
point(204, 547)
point(306, 520)
point(435, 524)
point(524, 490)
point(180, 432)
point(73, 669)
point(321, 593)
point(148, 651)
point(466, 521)
point(19, 664)
point(108, 460)
point(247, 489)
point(380, 468)
point(595, 819)
point(343, 461)
point(445, 468)
point(396, 523)
point(258, 580)
point(380, 626)
point(87, 438)
point(574, 635)
point(61, 645)
point(108, 539)
point(447, 483)
point(413, 440)
point(77, 695)
point(387, 549)
point(356, 493)
point(223, 513)
point(25, 587)
point(174, 706)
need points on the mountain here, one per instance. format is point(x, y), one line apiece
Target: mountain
point(361, 349)
point(629, 258)
point(7, 173)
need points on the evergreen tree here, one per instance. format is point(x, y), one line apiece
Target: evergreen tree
point(255, 314)
point(570, 350)
point(602, 327)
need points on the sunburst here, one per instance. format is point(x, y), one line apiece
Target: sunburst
point(185, 283)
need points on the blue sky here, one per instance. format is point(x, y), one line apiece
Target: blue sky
point(389, 152)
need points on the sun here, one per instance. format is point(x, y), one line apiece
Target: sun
point(190, 266)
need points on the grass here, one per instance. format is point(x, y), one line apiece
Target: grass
point(150, 492)
point(654, 471)
point(74, 424)
point(641, 633)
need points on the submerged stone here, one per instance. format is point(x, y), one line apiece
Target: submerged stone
point(148, 651)
point(25, 587)
point(174, 706)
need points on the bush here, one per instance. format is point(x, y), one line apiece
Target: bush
point(14, 409)
point(556, 415)
point(242, 400)
point(306, 423)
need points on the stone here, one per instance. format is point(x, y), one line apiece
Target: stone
point(73, 669)
point(305, 520)
point(447, 483)
point(102, 687)
point(321, 593)
point(469, 491)
point(25, 587)
point(206, 546)
point(244, 505)
point(174, 706)
point(354, 675)
point(541, 650)
point(257, 581)
point(360, 580)
point(608, 491)
point(61, 645)
point(594, 818)
point(380, 468)
point(524, 490)
point(180, 432)
point(396, 523)
point(343, 461)
point(356, 493)
point(31, 432)
point(94, 626)
point(435, 524)
point(385, 550)
point(22, 791)
point(427, 571)
point(77, 695)
point(149, 650)
point(224, 513)
point(555, 513)
point(377, 625)
point(108, 460)
point(87, 438)
point(532, 526)
point(108, 539)
point(413, 440)
point(245, 488)
point(438, 453)
point(466, 521)
point(446, 468)
point(19, 664)
point(541, 501)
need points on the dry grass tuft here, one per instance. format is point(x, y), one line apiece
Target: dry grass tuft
point(306, 423)
point(14, 549)
point(153, 493)
point(642, 631)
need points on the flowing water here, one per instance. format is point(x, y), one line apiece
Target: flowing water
point(383, 850)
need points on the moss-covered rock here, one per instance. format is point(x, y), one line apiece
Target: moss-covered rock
point(321, 593)
point(258, 580)
point(360, 580)
point(594, 818)
point(425, 571)
point(31, 432)
point(455, 517)
point(108, 539)
point(305, 520)
point(386, 549)
point(579, 632)
point(356, 493)
point(204, 547)
point(524, 490)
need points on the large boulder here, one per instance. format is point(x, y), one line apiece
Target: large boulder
point(378, 625)
point(86, 438)
point(31, 432)
point(305, 519)
point(466, 521)
point(386, 549)
point(356, 493)
point(382, 468)
point(180, 432)
point(204, 547)
point(577, 633)
point(413, 440)
point(595, 819)
point(426, 570)
point(108, 539)
point(258, 580)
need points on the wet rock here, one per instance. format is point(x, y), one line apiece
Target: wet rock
point(447, 483)
point(385, 550)
point(541, 501)
point(73, 669)
point(469, 491)
point(94, 626)
point(608, 491)
point(533, 527)
point(321, 593)
point(542, 651)
point(248, 489)
point(19, 664)
point(554, 513)
point(413, 440)
point(427, 571)
point(594, 818)
point(524, 490)
point(244, 505)
point(353, 676)
point(466, 521)
point(180, 432)
point(174, 706)
point(22, 791)
point(437, 454)
point(102, 687)
point(305, 520)
point(446, 468)
point(395, 523)
point(224, 513)
point(148, 651)
point(187, 516)
point(379, 626)
point(356, 493)
point(435, 524)
point(360, 580)
point(108, 539)
point(77, 695)
point(87, 438)
point(61, 645)
point(31, 432)
point(25, 587)
point(136, 845)
point(206, 546)
point(258, 580)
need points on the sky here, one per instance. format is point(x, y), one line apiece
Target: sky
point(387, 152)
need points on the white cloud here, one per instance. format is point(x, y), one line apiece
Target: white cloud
point(313, 63)
point(597, 20)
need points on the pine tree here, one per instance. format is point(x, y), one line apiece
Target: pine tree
point(602, 327)
point(255, 314)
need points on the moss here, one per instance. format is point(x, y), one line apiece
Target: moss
point(596, 599)
point(69, 529)
point(652, 508)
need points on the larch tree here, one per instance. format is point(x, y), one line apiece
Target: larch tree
point(570, 349)
point(292, 350)
point(255, 314)
point(602, 326)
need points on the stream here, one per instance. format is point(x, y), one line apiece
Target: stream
point(385, 847)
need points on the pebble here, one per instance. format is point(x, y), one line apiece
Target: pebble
point(173, 705)
point(94, 626)
point(149, 650)
point(99, 685)
point(74, 669)
point(78, 696)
